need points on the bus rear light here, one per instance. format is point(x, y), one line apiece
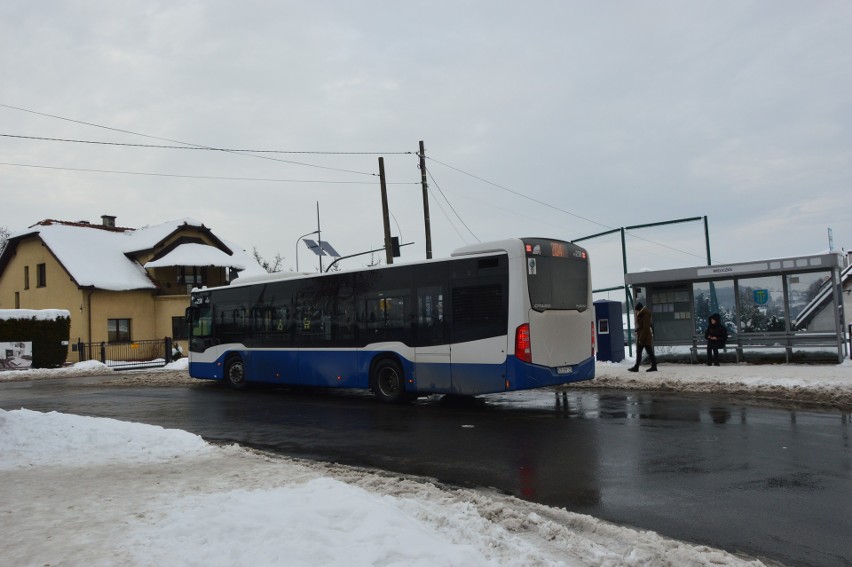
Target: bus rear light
point(508, 386)
point(523, 346)
point(593, 338)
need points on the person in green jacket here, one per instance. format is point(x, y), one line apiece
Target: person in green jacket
point(644, 338)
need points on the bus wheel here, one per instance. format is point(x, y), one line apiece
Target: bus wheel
point(388, 384)
point(235, 374)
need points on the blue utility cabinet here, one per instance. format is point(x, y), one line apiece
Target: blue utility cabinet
point(609, 330)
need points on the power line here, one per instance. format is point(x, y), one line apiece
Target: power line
point(450, 220)
point(559, 209)
point(534, 200)
point(451, 205)
point(211, 177)
point(202, 146)
point(505, 210)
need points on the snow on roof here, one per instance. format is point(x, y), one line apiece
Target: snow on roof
point(38, 314)
point(99, 257)
point(95, 257)
point(146, 237)
point(252, 268)
point(196, 255)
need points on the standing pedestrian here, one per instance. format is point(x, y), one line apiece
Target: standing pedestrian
point(716, 335)
point(644, 338)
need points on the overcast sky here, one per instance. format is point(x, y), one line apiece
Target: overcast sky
point(561, 119)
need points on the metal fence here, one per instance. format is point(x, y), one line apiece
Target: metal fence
point(127, 355)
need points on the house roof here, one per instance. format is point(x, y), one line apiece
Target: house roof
point(193, 254)
point(102, 257)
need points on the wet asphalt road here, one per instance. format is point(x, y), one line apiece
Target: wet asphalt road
point(770, 482)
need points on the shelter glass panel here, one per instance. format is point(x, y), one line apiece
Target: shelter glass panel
point(762, 305)
point(715, 297)
point(811, 301)
point(672, 311)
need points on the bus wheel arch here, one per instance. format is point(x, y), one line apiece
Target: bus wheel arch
point(387, 379)
point(235, 372)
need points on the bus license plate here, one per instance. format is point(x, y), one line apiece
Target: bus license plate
point(564, 370)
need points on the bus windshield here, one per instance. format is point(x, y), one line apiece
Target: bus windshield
point(200, 318)
point(557, 275)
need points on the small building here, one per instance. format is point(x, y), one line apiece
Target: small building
point(787, 303)
point(119, 284)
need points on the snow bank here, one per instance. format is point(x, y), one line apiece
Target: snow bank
point(78, 441)
point(809, 383)
point(81, 491)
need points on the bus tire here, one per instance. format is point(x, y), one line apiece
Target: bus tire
point(388, 381)
point(235, 373)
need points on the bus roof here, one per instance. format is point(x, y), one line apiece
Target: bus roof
point(511, 246)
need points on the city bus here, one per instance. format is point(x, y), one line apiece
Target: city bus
point(493, 317)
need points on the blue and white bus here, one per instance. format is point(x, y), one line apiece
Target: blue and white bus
point(494, 317)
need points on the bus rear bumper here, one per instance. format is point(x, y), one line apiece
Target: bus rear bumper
point(523, 376)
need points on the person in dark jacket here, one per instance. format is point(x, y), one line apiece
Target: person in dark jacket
point(716, 335)
point(644, 338)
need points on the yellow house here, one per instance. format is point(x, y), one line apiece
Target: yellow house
point(119, 284)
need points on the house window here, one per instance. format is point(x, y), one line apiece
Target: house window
point(26, 277)
point(192, 276)
point(118, 330)
point(179, 330)
point(17, 300)
point(41, 275)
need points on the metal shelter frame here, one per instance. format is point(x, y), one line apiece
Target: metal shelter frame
point(623, 230)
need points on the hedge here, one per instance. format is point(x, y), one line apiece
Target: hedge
point(49, 338)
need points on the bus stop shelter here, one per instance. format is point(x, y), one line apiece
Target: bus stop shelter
point(789, 305)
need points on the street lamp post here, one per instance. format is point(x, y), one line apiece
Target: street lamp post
point(297, 246)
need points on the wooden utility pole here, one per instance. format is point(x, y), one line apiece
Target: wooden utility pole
point(385, 215)
point(426, 220)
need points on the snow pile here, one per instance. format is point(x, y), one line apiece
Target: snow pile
point(80, 369)
point(119, 442)
point(37, 314)
point(98, 491)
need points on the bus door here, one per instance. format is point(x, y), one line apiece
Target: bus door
point(432, 351)
point(479, 314)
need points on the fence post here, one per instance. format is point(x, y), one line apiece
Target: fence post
point(81, 351)
point(168, 341)
point(103, 352)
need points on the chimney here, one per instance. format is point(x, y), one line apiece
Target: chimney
point(108, 220)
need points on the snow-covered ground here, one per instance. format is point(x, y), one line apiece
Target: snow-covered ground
point(78, 490)
point(829, 384)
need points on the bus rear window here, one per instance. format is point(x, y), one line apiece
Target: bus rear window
point(557, 275)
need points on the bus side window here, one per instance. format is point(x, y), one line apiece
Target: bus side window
point(479, 312)
point(430, 315)
point(388, 316)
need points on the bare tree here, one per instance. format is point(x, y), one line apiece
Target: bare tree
point(4, 237)
point(271, 267)
point(374, 260)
